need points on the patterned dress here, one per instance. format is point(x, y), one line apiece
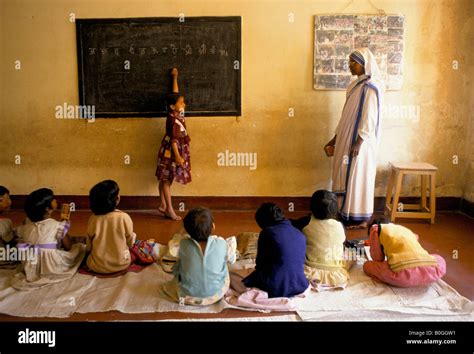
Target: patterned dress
point(168, 169)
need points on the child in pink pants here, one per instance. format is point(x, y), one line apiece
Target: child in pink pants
point(406, 266)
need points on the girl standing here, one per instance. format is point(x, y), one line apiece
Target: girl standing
point(174, 157)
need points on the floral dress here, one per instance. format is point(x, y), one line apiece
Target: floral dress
point(168, 169)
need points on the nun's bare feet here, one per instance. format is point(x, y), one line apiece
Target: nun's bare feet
point(360, 226)
point(170, 214)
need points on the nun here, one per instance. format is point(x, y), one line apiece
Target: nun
point(355, 143)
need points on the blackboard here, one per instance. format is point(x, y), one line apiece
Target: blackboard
point(123, 65)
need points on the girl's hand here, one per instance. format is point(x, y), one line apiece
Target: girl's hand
point(180, 161)
point(174, 72)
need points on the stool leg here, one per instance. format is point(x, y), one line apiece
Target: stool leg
point(423, 192)
point(388, 197)
point(396, 197)
point(433, 196)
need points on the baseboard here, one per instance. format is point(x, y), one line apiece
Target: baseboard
point(442, 203)
point(240, 203)
point(467, 207)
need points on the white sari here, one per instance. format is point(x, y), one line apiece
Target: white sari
point(354, 177)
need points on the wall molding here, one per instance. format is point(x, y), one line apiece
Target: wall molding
point(240, 203)
point(467, 207)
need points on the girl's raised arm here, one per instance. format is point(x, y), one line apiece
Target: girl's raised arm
point(174, 75)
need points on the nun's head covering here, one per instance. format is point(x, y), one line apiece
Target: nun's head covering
point(364, 57)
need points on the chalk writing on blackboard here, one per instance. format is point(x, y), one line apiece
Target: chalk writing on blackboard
point(174, 50)
point(123, 65)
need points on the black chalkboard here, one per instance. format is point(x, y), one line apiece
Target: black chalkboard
point(123, 65)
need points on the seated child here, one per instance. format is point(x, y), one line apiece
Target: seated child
point(6, 231)
point(201, 275)
point(44, 245)
point(325, 265)
point(407, 264)
point(109, 231)
point(281, 252)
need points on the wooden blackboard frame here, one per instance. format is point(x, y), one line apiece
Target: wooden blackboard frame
point(80, 60)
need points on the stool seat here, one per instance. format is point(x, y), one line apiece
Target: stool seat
point(422, 166)
point(420, 211)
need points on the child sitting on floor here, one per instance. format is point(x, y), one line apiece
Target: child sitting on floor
point(109, 231)
point(201, 276)
point(7, 238)
point(6, 230)
point(325, 266)
point(408, 264)
point(279, 269)
point(44, 245)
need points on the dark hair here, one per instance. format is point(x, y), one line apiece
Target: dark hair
point(268, 214)
point(4, 190)
point(198, 223)
point(323, 204)
point(103, 197)
point(37, 202)
point(171, 99)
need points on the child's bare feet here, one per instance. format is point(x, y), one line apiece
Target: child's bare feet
point(172, 215)
point(162, 210)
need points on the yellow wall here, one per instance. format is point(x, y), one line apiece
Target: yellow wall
point(469, 160)
point(277, 66)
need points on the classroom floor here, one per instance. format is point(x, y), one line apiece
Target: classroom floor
point(452, 232)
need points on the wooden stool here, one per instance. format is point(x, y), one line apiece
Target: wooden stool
point(426, 171)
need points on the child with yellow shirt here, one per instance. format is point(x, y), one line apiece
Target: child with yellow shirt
point(325, 266)
point(408, 264)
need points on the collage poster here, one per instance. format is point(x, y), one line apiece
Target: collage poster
point(336, 36)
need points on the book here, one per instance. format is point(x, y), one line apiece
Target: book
point(65, 212)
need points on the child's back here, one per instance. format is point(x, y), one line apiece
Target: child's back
point(40, 245)
point(40, 232)
point(324, 243)
point(109, 231)
point(108, 238)
point(202, 274)
point(325, 236)
point(280, 257)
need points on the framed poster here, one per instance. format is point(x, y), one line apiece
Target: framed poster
point(336, 36)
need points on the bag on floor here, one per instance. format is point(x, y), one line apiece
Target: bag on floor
point(247, 245)
point(170, 257)
point(143, 250)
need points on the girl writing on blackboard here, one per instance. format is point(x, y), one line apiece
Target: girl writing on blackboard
point(173, 158)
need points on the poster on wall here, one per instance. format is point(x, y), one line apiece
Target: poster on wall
point(336, 36)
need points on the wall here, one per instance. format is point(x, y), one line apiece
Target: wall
point(277, 66)
point(468, 192)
